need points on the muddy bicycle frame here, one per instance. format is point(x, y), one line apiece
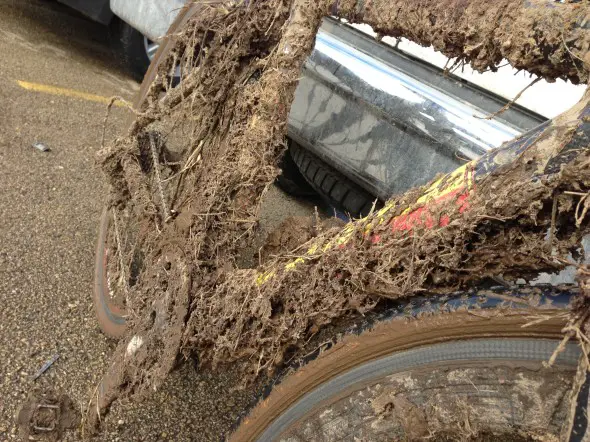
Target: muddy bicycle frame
point(430, 121)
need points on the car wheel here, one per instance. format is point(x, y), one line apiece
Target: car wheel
point(335, 188)
point(136, 50)
point(460, 375)
point(291, 180)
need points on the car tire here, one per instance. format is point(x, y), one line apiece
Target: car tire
point(130, 43)
point(291, 180)
point(338, 191)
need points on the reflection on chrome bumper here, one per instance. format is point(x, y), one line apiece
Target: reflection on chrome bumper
point(388, 121)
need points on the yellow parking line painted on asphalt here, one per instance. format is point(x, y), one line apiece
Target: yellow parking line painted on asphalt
point(72, 93)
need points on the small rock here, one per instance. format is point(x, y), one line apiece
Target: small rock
point(134, 344)
point(41, 147)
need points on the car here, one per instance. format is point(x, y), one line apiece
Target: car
point(136, 26)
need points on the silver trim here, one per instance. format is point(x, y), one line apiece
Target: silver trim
point(389, 121)
point(150, 48)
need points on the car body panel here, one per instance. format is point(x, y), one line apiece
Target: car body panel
point(150, 17)
point(97, 10)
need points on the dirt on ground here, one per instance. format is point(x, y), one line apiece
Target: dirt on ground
point(45, 415)
point(292, 235)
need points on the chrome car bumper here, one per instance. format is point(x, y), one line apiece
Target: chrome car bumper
point(390, 121)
